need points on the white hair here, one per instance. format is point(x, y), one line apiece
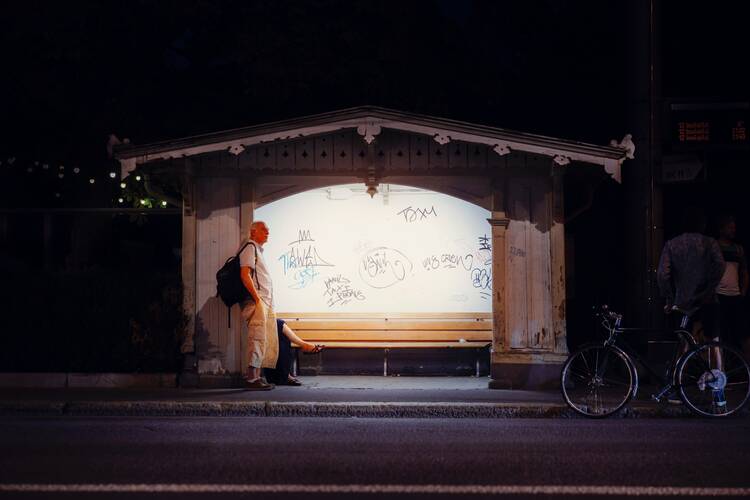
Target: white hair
point(257, 223)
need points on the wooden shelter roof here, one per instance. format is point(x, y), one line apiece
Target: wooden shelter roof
point(369, 120)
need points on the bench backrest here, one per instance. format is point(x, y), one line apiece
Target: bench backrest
point(415, 329)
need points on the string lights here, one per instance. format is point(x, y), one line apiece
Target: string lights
point(50, 186)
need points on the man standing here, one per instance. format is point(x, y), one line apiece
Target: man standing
point(263, 343)
point(733, 286)
point(690, 268)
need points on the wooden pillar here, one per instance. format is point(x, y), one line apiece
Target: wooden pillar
point(557, 250)
point(499, 225)
point(188, 259)
point(528, 284)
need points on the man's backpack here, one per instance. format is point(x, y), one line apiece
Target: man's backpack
point(229, 285)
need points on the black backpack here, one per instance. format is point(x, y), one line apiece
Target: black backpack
point(229, 285)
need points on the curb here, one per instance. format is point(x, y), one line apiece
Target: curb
point(319, 409)
point(61, 380)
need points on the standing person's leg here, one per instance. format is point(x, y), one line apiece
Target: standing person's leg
point(271, 354)
point(256, 346)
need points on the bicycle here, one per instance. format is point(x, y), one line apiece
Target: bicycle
point(599, 379)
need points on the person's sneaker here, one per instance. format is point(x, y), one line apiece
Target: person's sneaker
point(258, 385)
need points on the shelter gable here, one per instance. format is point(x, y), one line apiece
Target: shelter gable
point(392, 152)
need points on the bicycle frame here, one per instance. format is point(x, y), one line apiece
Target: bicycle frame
point(614, 341)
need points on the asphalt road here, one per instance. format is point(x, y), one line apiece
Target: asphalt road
point(371, 458)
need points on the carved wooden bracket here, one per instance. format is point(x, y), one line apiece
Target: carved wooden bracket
point(501, 149)
point(442, 139)
point(561, 160)
point(627, 144)
point(368, 131)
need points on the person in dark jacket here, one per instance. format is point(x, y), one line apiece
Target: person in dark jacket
point(690, 269)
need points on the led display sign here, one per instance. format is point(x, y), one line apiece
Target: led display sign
point(709, 125)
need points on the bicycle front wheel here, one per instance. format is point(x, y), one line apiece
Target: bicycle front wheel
point(597, 380)
point(713, 380)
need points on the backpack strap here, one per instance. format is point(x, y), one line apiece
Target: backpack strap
point(253, 273)
point(242, 248)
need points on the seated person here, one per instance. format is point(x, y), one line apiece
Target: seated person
point(280, 375)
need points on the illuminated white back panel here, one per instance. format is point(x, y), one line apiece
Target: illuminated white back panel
point(406, 250)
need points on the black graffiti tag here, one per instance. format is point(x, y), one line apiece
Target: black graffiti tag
point(448, 261)
point(340, 292)
point(383, 267)
point(416, 214)
point(484, 243)
point(481, 278)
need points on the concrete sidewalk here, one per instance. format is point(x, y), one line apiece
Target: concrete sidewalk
point(322, 396)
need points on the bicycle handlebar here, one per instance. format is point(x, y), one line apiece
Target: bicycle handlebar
point(609, 314)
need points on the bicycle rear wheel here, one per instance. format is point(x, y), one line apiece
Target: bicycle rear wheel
point(597, 380)
point(713, 380)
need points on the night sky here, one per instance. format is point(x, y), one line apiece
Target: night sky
point(74, 72)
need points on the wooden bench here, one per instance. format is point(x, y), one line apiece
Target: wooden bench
point(394, 331)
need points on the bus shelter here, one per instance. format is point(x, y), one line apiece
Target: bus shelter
point(504, 283)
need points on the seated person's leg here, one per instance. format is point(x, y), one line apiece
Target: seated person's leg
point(280, 374)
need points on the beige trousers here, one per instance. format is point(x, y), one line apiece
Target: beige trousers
point(262, 338)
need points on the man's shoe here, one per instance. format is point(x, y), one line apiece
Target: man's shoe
point(258, 385)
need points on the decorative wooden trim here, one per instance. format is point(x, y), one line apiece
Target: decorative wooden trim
point(368, 119)
point(499, 222)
